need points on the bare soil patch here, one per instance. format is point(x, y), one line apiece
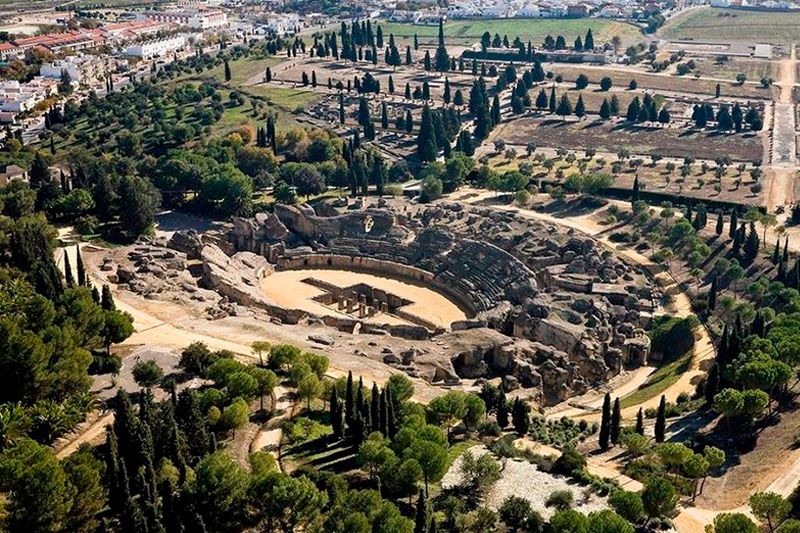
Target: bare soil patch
point(614, 136)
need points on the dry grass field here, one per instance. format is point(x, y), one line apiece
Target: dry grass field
point(734, 25)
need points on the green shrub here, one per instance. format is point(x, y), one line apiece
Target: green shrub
point(560, 500)
point(570, 462)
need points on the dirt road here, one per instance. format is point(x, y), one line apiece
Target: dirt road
point(783, 160)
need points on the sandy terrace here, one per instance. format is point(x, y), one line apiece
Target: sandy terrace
point(288, 290)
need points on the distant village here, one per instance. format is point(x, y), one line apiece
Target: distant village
point(99, 58)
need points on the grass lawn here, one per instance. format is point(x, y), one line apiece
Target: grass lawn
point(732, 24)
point(246, 68)
point(285, 98)
point(659, 381)
point(242, 70)
point(535, 30)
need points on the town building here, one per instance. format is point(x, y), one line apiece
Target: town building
point(195, 19)
point(16, 97)
point(157, 48)
point(284, 24)
point(81, 69)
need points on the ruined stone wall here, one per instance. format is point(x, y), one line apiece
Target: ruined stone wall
point(369, 223)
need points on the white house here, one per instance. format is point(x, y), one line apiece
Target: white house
point(81, 69)
point(286, 24)
point(157, 48)
point(16, 97)
point(530, 11)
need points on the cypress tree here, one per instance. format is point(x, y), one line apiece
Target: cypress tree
point(776, 252)
point(383, 425)
point(107, 300)
point(734, 224)
point(375, 407)
point(616, 419)
point(541, 99)
point(588, 42)
point(193, 424)
point(95, 296)
point(640, 422)
point(712, 383)
point(421, 519)
point(502, 412)
point(605, 423)
point(132, 518)
point(433, 528)
point(661, 420)
point(605, 110)
point(635, 192)
point(68, 279)
point(391, 417)
point(227, 71)
point(361, 404)
point(520, 417)
point(723, 355)
point(349, 402)
point(495, 110)
point(391, 85)
point(751, 244)
point(426, 141)
point(552, 103)
point(442, 60)
point(113, 473)
point(580, 108)
point(384, 116)
point(336, 420)
point(786, 250)
point(737, 241)
point(720, 222)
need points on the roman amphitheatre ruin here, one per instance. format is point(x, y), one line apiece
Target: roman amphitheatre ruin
point(449, 293)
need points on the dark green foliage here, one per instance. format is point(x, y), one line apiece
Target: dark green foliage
point(605, 423)
point(426, 139)
point(520, 417)
point(421, 516)
point(661, 420)
point(68, 277)
point(616, 419)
